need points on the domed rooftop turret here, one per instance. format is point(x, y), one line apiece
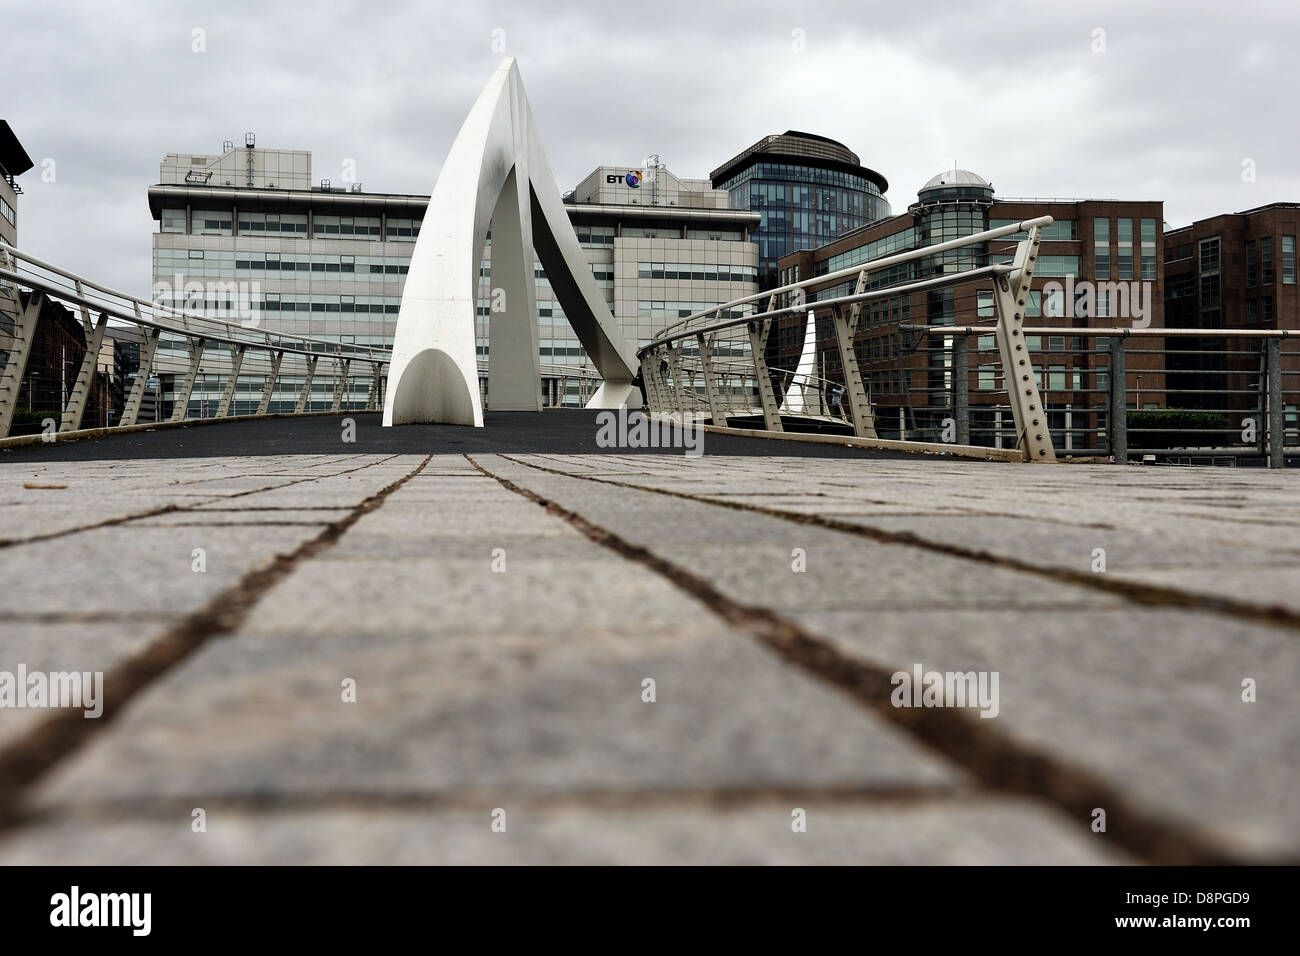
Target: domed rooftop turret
point(955, 185)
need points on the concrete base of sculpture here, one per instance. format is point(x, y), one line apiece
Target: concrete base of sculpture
point(616, 395)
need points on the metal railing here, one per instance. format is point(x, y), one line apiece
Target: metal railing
point(186, 343)
point(256, 370)
point(1183, 396)
point(727, 347)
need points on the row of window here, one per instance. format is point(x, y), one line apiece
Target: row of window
point(803, 174)
point(211, 304)
point(1066, 230)
point(7, 211)
point(898, 242)
point(680, 310)
point(696, 271)
point(206, 222)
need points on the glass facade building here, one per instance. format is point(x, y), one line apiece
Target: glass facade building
point(807, 189)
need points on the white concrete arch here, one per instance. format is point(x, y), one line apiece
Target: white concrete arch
point(496, 173)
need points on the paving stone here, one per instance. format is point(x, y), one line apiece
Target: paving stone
point(138, 569)
point(1147, 699)
point(987, 832)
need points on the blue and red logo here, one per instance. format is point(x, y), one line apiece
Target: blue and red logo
point(633, 178)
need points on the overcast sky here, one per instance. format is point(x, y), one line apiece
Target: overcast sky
point(1126, 100)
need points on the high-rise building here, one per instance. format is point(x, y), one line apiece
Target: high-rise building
point(1107, 251)
point(246, 233)
point(807, 190)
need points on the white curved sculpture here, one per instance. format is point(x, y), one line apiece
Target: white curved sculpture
point(495, 173)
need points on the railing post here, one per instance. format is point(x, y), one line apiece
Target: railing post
point(372, 394)
point(305, 395)
point(148, 347)
point(264, 405)
point(961, 387)
point(341, 386)
point(649, 376)
point(717, 410)
point(859, 401)
point(228, 394)
point(181, 398)
point(675, 369)
point(1276, 410)
point(75, 408)
point(16, 366)
point(1010, 292)
point(758, 332)
point(1118, 430)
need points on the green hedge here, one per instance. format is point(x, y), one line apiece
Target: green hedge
point(1194, 428)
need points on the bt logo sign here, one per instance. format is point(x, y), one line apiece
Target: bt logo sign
point(632, 179)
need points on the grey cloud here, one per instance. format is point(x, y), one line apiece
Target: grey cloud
point(1180, 97)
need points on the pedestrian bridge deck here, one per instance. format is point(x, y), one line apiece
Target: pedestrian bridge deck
point(499, 598)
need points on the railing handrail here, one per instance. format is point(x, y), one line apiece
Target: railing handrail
point(25, 277)
point(872, 265)
point(670, 334)
point(257, 339)
point(1102, 332)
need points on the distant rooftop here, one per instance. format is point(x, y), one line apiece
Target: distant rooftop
point(14, 160)
point(806, 148)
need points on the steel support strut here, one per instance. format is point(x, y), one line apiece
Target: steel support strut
point(149, 346)
point(859, 401)
point(675, 369)
point(264, 405)
point(305, 396)
point(757, 345)
point(1010, 292)
point(228, 394)
point(75, 407)
point(181, 398)
point(341, 386)
point(12, 378)
point(717, 410)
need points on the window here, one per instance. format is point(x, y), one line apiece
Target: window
point(1252, 263)
point(1266, 311)
point(173, 220)
point(1266, 261)
point(987, 379)
point(1101, 247)
point(1210, 255)
point(1210, 294)
point(1124, 258)
point(1288, 260)
point(1148, 248)
point(984, 303)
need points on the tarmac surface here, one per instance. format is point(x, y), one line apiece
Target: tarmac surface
point(506, 645)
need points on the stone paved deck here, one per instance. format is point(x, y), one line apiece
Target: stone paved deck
point(521, 689)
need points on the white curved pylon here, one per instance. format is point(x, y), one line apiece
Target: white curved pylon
point(495, 173)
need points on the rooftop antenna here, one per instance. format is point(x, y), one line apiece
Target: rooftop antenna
point(250, 140)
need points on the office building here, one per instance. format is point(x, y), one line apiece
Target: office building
point(14, 161)
point(807, 190)
point(330, 261)
point(1107, 247)
point(1234, 271)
